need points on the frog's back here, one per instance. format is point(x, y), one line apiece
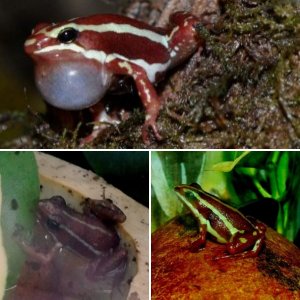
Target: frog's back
point(101, 19)
point(123, 36)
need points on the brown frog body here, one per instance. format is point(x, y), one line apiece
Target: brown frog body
point(72, 253)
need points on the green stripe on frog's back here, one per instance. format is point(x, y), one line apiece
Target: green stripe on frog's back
point(202, 219)
point(234, 220)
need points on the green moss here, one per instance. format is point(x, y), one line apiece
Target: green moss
point(237, 96)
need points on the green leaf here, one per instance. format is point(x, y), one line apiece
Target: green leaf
point(264, 193)
point(252, 172)
point(169, 169)
point(282, 173)
point(20, 193)
point(164, 193)
point(261, 174)
point(227, 166)
point(215, 181)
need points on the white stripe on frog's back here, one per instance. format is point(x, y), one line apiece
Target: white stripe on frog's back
point(80, 240)
point(88, 225)
point(111, 27)
point(102, 57)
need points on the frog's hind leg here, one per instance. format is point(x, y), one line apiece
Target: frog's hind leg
point(42, 258)
point(241, 242)
point(253, 252)
point(111, 264)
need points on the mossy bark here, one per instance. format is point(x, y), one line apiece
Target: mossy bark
point(241, 91)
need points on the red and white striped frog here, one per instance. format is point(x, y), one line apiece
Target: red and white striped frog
point(77, 60)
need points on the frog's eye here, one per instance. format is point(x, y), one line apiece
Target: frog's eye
point(67, 35)
point(52, 224)
point(190, 196)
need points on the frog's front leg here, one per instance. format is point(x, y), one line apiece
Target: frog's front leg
point(115, 262)
point(101, 121)
point(146, 92)
point(201, 240)
point(39, 257)
point(151, 103)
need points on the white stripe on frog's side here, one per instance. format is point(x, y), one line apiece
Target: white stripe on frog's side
point(111, 27)
point(102, 57)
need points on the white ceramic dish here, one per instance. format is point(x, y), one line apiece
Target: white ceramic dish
point(58, 177)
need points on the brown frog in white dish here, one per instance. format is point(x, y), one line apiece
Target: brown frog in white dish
point(72, 252)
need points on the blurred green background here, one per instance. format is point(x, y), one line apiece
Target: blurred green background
point(263, 184)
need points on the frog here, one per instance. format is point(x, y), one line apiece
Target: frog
point(84, 234)
point(243, 238)
point(78, 60)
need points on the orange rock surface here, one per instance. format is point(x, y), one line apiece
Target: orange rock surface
point(178, 273)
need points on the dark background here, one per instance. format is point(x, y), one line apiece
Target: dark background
point(126, 170)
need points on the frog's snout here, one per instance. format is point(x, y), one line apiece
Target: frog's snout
point(179, 189)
